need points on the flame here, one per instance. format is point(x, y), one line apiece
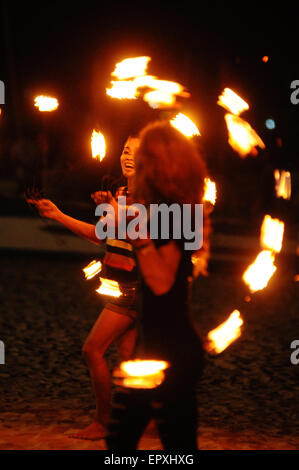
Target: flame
point(272, 234)
point(132, 78)
point(242, 138)
point(283, 184)
point(125, 89)
point(159, 99)
point(258, 274)
point(129, 68)
point(222, 336)
point(210, 191)
point(92, 269)
point(232, 102)
point(46, 103)
point(185, 125)
point(146, 374)
point(142, 368)
point(109, 287)
point(98, 145)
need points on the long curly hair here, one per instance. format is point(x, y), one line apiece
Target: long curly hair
point(169, 169)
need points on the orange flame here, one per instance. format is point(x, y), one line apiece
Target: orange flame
point(222, 336)
point(46, 103)
point(232, 102)
point(92, 269)
point(185, 125)
point(109, 287)
point(121, 90)
point(272, 234)
point(283, 184)
point(130, 68)
point(210, 191)
point(146, 374)
point(242, 138)
point(258, 274)
point(98, 145)
point(160, 93)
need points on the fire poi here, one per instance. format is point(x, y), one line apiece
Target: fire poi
point(146, 374)
point(46, 103)
point(134, 82)
point(98, 145)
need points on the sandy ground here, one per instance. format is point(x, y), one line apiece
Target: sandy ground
point(248, 396)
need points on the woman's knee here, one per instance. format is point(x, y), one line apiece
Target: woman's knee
point(92, 350)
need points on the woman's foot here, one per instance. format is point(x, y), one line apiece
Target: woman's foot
point(93, 432)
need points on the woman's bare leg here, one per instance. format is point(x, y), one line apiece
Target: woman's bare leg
point(108, 328)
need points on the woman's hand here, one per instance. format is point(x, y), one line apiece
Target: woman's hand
point(101, 197)
point(45, 207)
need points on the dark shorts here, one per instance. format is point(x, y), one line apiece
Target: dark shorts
point(127, 303)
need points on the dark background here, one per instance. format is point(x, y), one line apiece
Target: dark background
point(68, 50)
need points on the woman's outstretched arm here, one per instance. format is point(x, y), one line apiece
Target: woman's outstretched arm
point(47, 209)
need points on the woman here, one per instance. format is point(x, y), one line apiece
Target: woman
point(116, 323)
point(168, 170)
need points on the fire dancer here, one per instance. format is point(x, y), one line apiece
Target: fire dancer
point(168, 170)
point(116, 323)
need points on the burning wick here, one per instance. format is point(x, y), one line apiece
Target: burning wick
point(258, 274)
point(242, 138)
point(109, 287)
point(46, 103)
point(283, 185)
point(139, 373)
point(98, 145)
point(92, 269)
point(272, 234)
point(132, 80)
point(185, 125)
point(210, 191)
point(130, 68)
point(232, 102)
point(222, 336)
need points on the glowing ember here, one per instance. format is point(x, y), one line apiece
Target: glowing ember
point(109, 287)
point(258, 274)
point(146, 374)
point(296, 278)
point(242, 138)
point(232, 102)
point(283, 184)
point(184, 124)
point(272, 234)
point(46, 103)
point(129, 68)
point(121, 90)
point(210, 191)
point(92, 269)
point(98, 145)
point(222, 336)
point(265, 59)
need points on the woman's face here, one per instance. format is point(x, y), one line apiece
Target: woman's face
point(127, 157)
